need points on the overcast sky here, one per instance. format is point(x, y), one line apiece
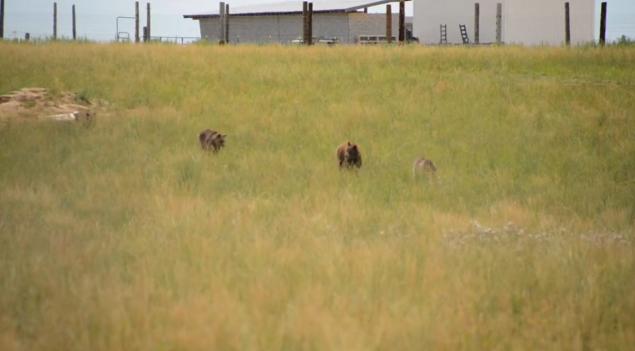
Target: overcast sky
point(96, 18)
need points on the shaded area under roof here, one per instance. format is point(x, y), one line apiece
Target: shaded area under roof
point(295, 7)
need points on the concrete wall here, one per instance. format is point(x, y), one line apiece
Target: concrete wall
point(255, 29)
point(542, 22)
point(335, 25)
point(276, 28)
point(371, 24)
point(285, 28)
point(535, 22)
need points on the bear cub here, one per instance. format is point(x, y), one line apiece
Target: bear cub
point(211, 140)
point(349, 155)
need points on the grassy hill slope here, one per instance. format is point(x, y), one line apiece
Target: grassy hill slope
point(125, 235)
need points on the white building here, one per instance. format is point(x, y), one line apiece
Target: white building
point(525, 22)
point(344, 20)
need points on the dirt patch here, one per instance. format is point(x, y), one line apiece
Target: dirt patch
point(32, 104)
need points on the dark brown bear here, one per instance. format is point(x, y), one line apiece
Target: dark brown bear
point(211, 140)
point(349, 155)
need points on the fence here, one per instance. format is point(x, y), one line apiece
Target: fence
point(175, 40)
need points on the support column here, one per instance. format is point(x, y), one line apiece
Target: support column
point(499, 23)
point(226, 23)
point(402, 21)
point(603, 24)
point(74, 24)
point(221, 23)
point(567, 25)
point(305, 23)
point(389, 24)
point(310, 19)
point(1, 19)
point(54, 21)
point(136, 22)
point(148, 25)
point(477, 22)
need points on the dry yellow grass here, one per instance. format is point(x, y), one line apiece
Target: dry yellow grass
point(125, 236)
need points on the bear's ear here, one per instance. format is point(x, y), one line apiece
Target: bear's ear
point(348, 143)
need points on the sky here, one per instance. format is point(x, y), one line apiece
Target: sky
point(96, 19)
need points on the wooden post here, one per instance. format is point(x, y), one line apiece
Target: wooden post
point(136, 22)
point(499, 23)
point(305, 23)
point(226, 23)
point(567, 25)
point(55, 21)
point(74, 24)
point(402, 21)
point(145, 33)
point(389, 24)
point(1, 19)
point(149, 22)
point(27, 36)
point(221, 23)
point(477, 22)
point(603, 24)
point(310, 19)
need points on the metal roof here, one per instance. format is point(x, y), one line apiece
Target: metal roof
point(295, 7)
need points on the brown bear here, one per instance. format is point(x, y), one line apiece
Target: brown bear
point(423, 166)
point(349, 155)
point(211, 140)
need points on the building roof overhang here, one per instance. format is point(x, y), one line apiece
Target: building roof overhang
point(295, 8)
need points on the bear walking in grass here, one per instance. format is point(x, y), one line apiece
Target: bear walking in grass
point(349, 155)
point(423, 167)
point(211, 140)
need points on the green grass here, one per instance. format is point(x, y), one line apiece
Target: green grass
point(125, 236)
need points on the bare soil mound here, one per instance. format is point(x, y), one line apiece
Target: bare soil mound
point(40, 104)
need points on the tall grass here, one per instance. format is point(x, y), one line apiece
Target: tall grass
point(126, 236)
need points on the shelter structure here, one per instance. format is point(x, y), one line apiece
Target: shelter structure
point(342, 21)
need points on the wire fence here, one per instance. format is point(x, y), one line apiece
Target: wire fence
point(21, 36)
point(175, 40)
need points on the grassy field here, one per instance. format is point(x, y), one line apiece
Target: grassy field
point(124, 235)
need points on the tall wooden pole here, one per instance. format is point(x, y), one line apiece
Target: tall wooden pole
point(311, 22)
point(149, 22)
point(74, 24)
point(305, 23)
point(227, 23)
point(567, 25)
point(221, 23)
point(136, 22)
point(388, 23)
point(477, 22)
point(603, 24)
point(1, 19)
point(55, 21)
point(402, 21)
point(499, 23)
